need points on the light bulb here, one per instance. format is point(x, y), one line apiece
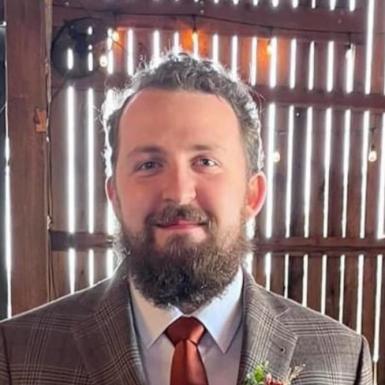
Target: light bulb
point(372, 155)
point(103, 61)
point(277, 156)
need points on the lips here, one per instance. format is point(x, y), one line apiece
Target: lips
point(182, 224)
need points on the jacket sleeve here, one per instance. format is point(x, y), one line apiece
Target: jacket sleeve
point(4, 367)
point(364, 367)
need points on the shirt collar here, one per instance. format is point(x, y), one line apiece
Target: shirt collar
point(221, 316)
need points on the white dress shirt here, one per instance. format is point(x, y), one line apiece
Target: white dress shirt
point(220, 347)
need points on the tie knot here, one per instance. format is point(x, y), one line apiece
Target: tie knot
point(185, 328)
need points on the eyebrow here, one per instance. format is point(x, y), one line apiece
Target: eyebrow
point(160, 151)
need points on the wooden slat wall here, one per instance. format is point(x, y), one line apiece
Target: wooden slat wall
point(321, 279)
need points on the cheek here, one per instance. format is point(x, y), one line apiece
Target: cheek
point(135, 205)
point(224, 200)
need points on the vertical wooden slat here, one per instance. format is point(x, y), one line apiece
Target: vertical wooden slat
point(81, 272)
point(259, 269)
point(353, 220)
point(186, 39)
point(244, 62)
point(359, 69)
point(354, 178)
point(204, 46)
point(81, 155)
point(381, 362)
point(302, 64)
point(3, 272)
point(332, 286)
point(59, 274)
point(373, 177)
point(336, 175)
point(369, 298)
point(378, 48)
point(119, 47)
point(28, 33)
point(100, 196)
point(334, 216)
point(278, 273)
point(339, 66)
point(143, 46)
point(280, 169)
point(297, 217)
point(317, 197)
point(320, 64)
point(100, 265)
point(314, 281)
point(167, 41)
point(58, 261)
point(263, 62)
point(225, 50)
point(295, 277)
point(371, 223)
point(283, 62)
point(350, 291)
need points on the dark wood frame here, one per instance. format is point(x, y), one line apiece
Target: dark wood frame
point(28, 79)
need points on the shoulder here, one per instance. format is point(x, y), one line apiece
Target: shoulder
point(59, 314)
point(302, 321)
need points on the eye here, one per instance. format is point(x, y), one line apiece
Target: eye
point(148, 166)
point(206, 162)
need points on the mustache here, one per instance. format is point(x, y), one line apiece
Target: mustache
point(172, 213)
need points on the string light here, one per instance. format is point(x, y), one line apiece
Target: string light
point(372, 157)
point(269, 47)
point(277, 157)
point(115, 36)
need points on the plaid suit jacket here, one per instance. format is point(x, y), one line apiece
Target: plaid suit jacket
point(89, 338)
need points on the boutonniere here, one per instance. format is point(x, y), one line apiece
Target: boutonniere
point(261, 376)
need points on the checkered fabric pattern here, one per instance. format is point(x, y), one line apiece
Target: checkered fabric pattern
point(89, 338)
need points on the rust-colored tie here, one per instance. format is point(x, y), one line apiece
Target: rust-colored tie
point(187, 367)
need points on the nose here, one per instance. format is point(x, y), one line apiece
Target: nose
point(179, 186)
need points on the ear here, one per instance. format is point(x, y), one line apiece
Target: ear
point(256, 194)
point(112, 194)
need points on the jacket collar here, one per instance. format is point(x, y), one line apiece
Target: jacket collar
point(265, 337)
point(107, 340)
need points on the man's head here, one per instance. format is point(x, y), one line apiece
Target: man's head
point(185, 159)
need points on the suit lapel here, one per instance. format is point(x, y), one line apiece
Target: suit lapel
point(265, 338)
point(107, 341)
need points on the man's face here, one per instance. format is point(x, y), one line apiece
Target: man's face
point(181, 173)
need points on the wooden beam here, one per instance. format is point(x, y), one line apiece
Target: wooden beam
point(225, 18)
point(28, 34)
point(322, 99)
point(61, 241)
point(321, 245)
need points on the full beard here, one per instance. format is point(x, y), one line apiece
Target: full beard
point(183, 273)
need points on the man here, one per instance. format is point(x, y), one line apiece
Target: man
point(185, 156)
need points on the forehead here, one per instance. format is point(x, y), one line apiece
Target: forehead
point(176, 118)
